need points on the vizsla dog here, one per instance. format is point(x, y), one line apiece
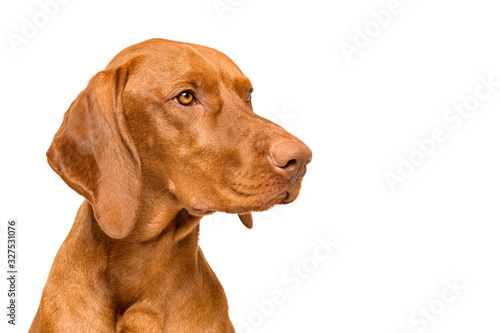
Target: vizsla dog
point(162, 137)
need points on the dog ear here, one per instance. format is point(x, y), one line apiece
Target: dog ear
point(246, 219)
point(94, 154)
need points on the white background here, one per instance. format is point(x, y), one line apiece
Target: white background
point(397, 248)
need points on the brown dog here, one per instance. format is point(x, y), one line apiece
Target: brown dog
point(163, 136)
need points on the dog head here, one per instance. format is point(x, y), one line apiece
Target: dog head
point(180, 114)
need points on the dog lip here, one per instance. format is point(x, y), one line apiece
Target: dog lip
point(200, 210)
point(286, 199)
point(302, 173)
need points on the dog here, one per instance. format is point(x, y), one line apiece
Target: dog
point(163, 136)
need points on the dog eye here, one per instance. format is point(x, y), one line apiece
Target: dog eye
point(185, 98)
point(249, 98)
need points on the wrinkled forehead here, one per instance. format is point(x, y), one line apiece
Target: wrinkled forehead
point(163, 62)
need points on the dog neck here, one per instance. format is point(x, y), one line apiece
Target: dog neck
point(162, 216)
point(161, 249)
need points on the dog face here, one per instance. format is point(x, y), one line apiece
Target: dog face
point(179, 115)
point(189, 111)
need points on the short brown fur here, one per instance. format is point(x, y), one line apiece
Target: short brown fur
point(149, 169)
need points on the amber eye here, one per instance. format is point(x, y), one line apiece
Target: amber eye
point(185, 98)
point(249, 98)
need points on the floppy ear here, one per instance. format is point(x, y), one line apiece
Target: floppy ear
point(94, 154)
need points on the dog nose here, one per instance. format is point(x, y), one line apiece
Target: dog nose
point(289, 158)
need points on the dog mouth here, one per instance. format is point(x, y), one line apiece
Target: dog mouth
point(259, 203)
point(282, 198)
point(243, 198)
